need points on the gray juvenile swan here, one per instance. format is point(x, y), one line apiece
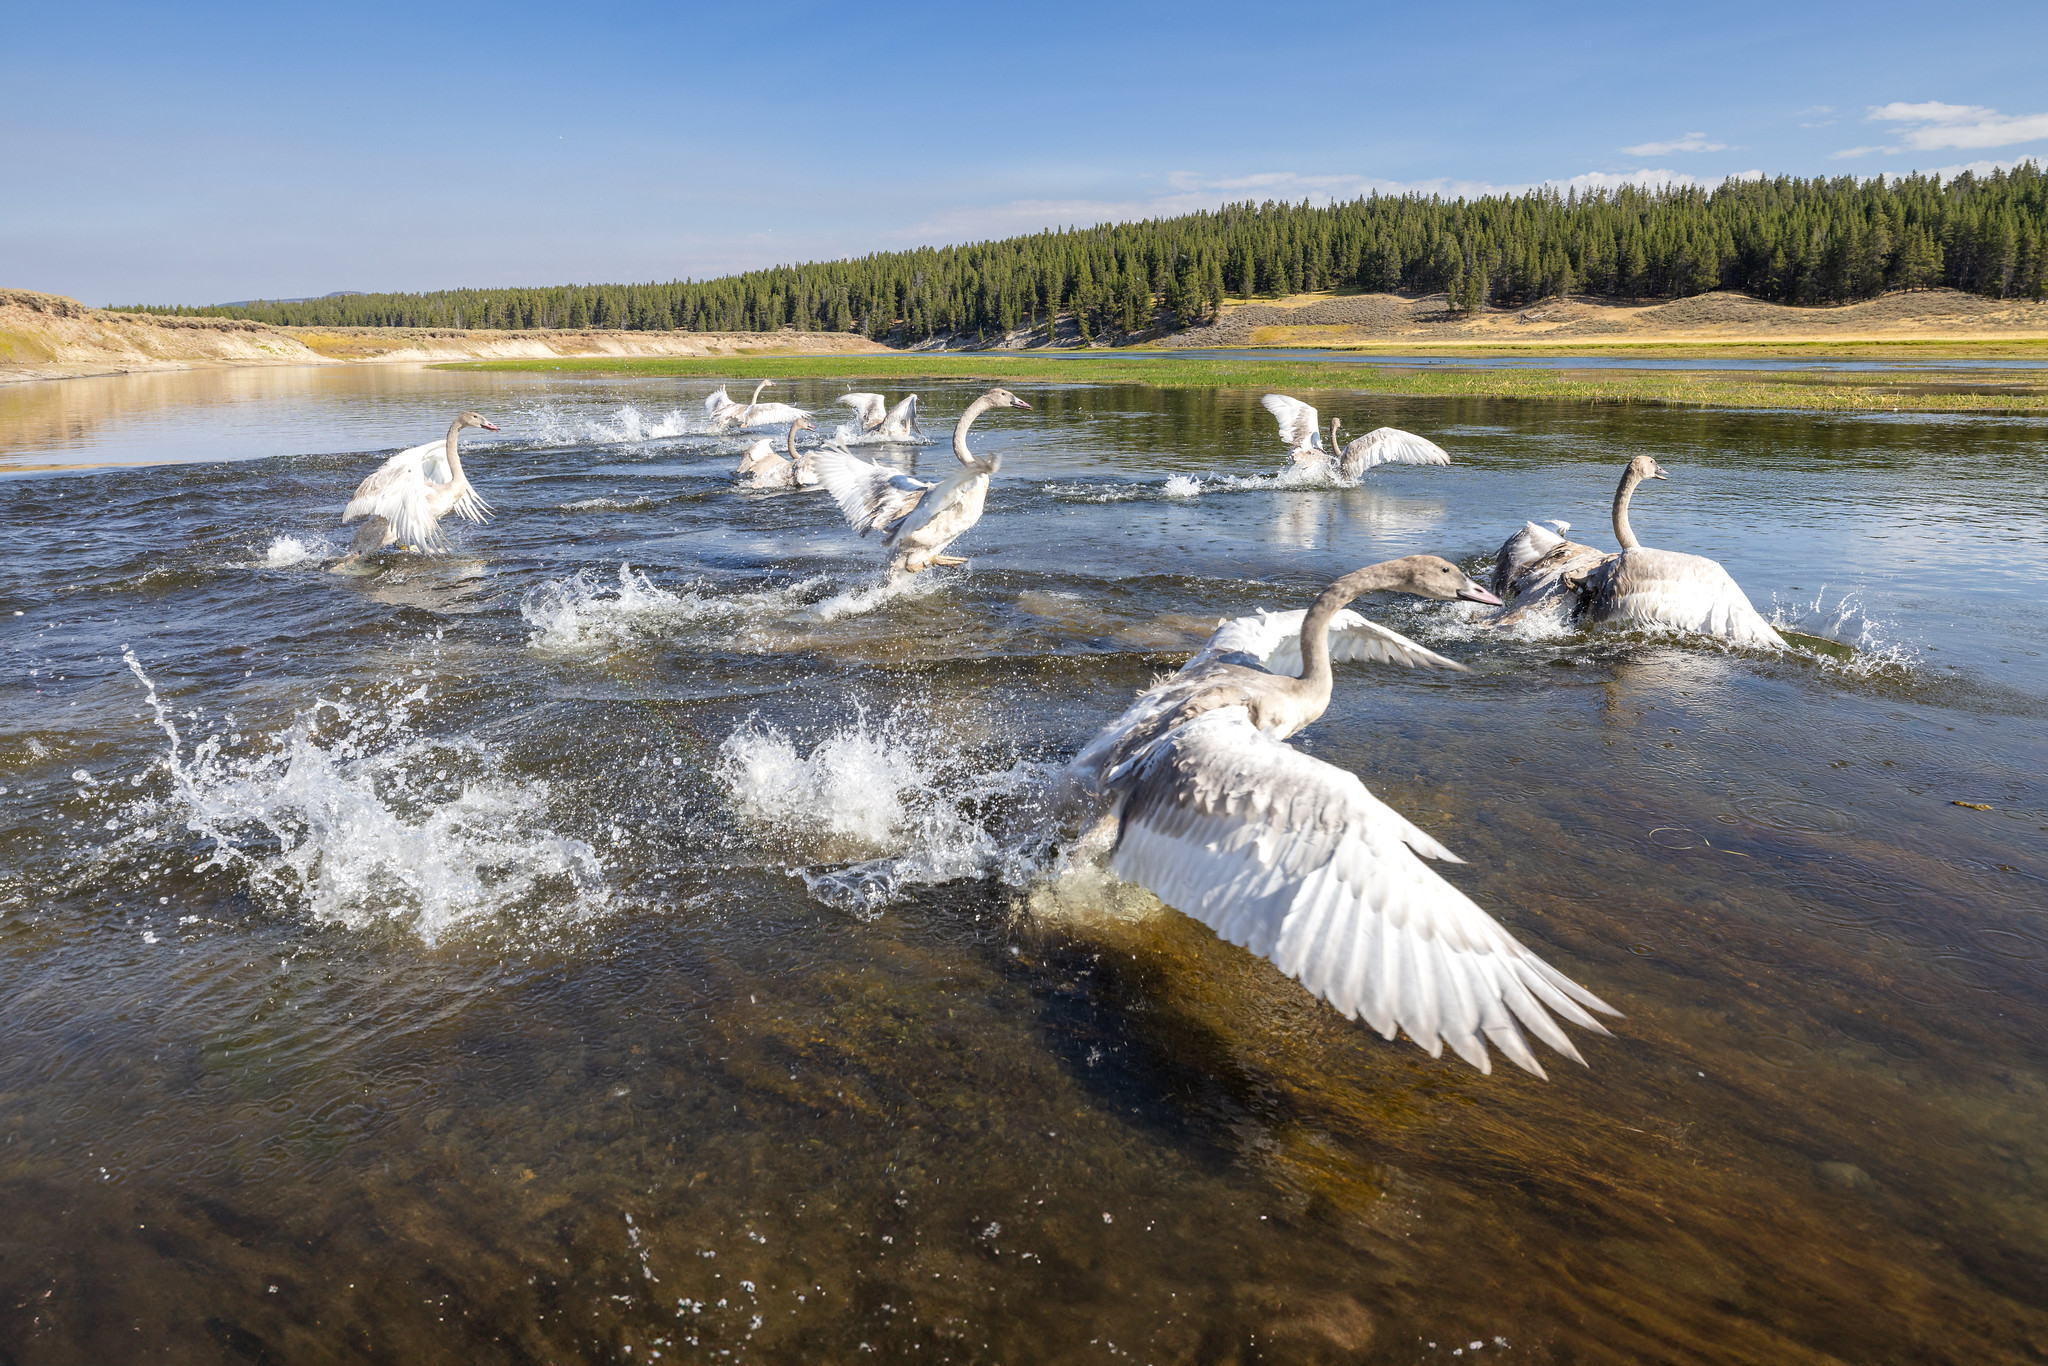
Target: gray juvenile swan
point(878, 419)
point(1292, 858)
point(917, 518)
point(411, 492)
point(1300, 429)
point(1645, 587)
point(762, 468)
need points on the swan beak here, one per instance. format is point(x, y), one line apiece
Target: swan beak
point(1018, 402)
point(1474, 593)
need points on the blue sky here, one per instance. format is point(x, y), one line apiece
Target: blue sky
point(193, 154)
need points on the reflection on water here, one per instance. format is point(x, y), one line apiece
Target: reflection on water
point(632, 932)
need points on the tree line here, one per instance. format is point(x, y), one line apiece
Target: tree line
point(1816, 241)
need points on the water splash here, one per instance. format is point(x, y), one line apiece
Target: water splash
point(896, 803)
point(1866, 644)
point(607, 505)
point(863, 598)
point(552, 424)
point(351, 817)
point(1181, 486)
point(578, 615)
point(289, 552)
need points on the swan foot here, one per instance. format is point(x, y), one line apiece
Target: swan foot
point(947, 559)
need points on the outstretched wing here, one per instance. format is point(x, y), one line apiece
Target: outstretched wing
point(471, 505)
point(772, 415)
point(872, 496)
point(1272, 641)
point(397, 492)
point(942, 495)
point(1296, 861)
point(1521, 550)
point(1650, 587)
point(1297, 421)
point(717, 402)
point(870, 408)
point(1390, 446)
point(902, 419)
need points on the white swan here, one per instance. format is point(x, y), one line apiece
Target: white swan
point(1292, 858)
point(1645, 587)
point(716, 402)
point(1300, 429)
point(916, 517)
point(878, 419)
point(411, 492)
point(762, 468)
point(755, 413)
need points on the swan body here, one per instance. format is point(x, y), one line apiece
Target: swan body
point(1293, 858)
point(754, 413)
point(762, 467)
point(917, 518)
point(411, 492)
point(716, 402)
point(1642, 586)
point(1300, 428)
point(878, 419)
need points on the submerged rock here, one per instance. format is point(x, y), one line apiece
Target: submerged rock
point(1846, 1176)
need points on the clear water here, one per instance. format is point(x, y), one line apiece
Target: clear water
point(632, 931)
point(1772, 364)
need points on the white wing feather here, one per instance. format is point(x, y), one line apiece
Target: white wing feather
point(872, 496)
point(902, 419)
point(941, 496)
point(1297, 421)
point(1390, 446)
point(1272, 641)
point(1296, 861)
point(870, 408)
point(397, 492)
point(772, 415)
point(717, 402)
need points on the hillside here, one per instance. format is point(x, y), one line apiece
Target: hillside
point(47, 336)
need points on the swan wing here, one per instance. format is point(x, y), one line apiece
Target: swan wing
point(1295, 860)
point(1297, 421)
point(870, 408)
point(870, 495)
point(470, 505)
point(717, 401)
point(1521, 550)
point(760, 456)
point(1390, 446)
point(398, 492)
point(943, 495)
point(1272, 641)
point(902, 419)
point(1687, 592)
point(772, 415)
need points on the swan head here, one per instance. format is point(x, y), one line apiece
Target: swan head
point(476, 420)
point(1003, 398)
point(1430, 576)
point(1643, 467)
point(803, 424)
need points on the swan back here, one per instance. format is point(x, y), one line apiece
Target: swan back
point(1667, 588)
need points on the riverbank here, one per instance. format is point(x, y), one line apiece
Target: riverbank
point(1827, 391)
point(48, 336)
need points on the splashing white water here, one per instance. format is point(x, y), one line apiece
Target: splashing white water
point(289, 552)
point(577, 615)
point(607, 504)
point(910, 804)
point(554, 425)
point(352, 818)
point(853, 602)
point(1844, 622)
point(1181, 486)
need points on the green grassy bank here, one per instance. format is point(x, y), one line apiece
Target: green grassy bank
point(1819, 391)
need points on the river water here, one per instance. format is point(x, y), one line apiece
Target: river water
point(631, 937)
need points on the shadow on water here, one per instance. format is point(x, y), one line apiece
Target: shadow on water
point(459, 986)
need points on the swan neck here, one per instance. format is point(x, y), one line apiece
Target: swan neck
point(789, 443)
point(757, 393)
point(974, 410)
point(1315, 682)
point(454, 460)
point(1624, 534)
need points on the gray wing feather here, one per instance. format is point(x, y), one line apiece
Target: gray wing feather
point(1390, 446)
point(870, 408)
point(872, 496)
point(1667, 588)
point(1272, 641)
point(1296, 861)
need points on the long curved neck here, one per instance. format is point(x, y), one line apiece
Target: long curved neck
point(974, 410)
point(1334, 424)
point(1623, 532)
point(454, 460)
point(1314, 683)
point(757, 393)
point(789, 444)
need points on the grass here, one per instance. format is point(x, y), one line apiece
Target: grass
point(1824, 392)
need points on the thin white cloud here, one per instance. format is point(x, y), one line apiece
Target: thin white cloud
point(1931, 124)
point(1691, 142)
point(1849, 152)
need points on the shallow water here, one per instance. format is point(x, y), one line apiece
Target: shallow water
point(629, 938)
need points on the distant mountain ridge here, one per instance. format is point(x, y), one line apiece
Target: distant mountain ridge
point(302, 299)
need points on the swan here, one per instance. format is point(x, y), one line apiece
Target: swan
point(1291, 857)
point(755, 413)
point(411, 492)
point(762, 468)
point(1539, 568)
point(918, 518)
point(1382, 446)
point(1646, 587)
point(716, 402)
point(877, 419)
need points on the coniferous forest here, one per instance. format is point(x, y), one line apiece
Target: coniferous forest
point(1788, 240)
